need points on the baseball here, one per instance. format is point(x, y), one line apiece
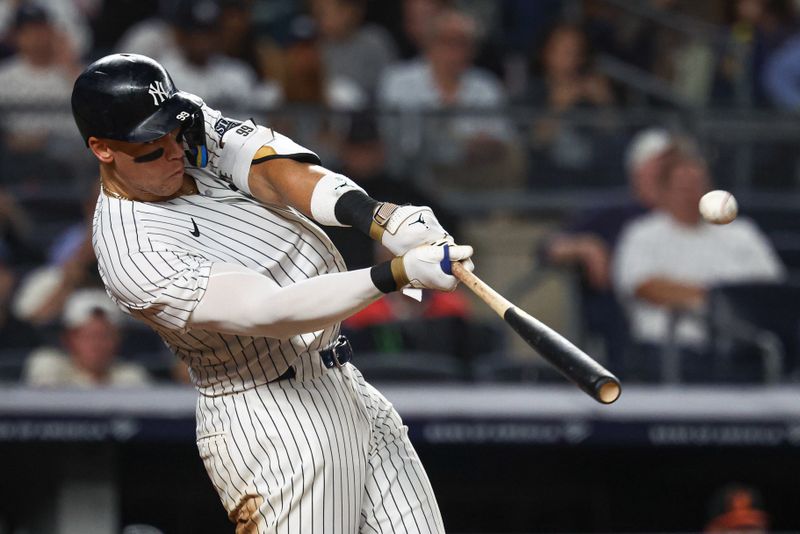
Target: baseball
point(718, 207)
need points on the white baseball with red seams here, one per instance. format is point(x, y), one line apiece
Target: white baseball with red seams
point(718, 207)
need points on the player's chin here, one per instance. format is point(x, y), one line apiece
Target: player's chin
point(171, 184)
point(176, 178)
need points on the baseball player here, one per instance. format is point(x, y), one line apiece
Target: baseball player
point(205, 230)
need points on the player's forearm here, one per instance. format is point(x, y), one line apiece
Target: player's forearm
point(242, 302)
point(670, 293)
point(285, 182)
point(330, 199)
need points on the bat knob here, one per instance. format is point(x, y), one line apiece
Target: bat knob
point(608, 390)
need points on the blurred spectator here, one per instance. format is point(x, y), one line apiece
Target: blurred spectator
point(90, 340)
point(199, 66)
point(666, 261)
point(306, 80)
point(16, 253)
point(310, 91)
point(237, 35)
point(351, 48)
point(152, 37)
point(756, 29)
point(16, 233)
point(616, 32)
point(588, 241)
point(38, 80)
point(444, 79)
point(69, 19)
point(71, 264)
point(782, 75)
point(416, 18)
point(155, 36)
point(737, 508)
point(408, 22)
point(14, 334)
point(564, 80)
point(565, 76)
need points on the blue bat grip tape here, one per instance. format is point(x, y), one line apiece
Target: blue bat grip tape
point(445, 264)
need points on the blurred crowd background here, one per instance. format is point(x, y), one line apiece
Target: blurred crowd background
point(568, 141)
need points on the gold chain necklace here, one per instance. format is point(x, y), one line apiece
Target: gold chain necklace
point(191, 190)
point(112, 194)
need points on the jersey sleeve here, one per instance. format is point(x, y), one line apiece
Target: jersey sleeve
point(162, 287)
point(224, 134)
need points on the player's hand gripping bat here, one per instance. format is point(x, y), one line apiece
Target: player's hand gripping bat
point(572, 362)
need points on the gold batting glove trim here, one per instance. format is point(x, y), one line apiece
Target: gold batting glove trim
point(399, 272)
point(376, 231)
point(380, 218)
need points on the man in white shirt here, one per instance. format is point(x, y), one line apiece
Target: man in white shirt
point(445, 78)
point(91, 339)
point(668, 259)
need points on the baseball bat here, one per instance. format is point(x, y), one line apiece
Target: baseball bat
point(568, 359)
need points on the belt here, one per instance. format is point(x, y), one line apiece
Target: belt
point(337, 354)
point(287, 374)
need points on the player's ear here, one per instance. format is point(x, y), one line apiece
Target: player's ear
point(101, 150)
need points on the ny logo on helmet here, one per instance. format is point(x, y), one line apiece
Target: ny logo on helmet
point(158, 93)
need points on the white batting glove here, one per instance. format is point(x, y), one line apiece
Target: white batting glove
point(429, 267)
point(409, 227)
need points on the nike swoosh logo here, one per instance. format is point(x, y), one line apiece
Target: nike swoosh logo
point(195, 232)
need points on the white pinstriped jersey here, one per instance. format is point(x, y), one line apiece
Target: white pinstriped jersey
point(155, 258)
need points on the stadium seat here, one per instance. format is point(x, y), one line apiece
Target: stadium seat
point(757, 320)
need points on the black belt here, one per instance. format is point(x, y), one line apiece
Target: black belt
point(336, 355)
point(287, 374)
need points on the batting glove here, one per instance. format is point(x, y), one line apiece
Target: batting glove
point(429, 267)
point(402, 228)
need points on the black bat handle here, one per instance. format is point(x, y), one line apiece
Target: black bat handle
point(571, 361)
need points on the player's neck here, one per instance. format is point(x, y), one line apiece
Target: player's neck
point(112, 186)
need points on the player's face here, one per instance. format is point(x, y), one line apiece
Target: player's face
point(150, 169)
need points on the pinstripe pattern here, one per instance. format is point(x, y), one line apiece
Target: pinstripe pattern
point(157, 271)
point(323, 452)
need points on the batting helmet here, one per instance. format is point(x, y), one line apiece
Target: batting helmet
point(129, 97)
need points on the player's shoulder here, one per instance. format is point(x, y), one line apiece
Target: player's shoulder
point(128, 226)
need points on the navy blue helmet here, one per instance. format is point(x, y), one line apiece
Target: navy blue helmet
point(129, 97)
